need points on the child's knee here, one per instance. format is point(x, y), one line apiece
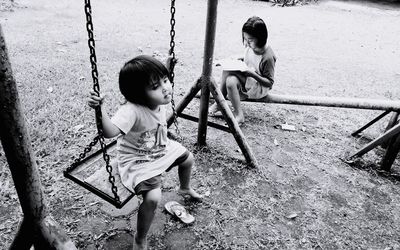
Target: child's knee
point(152, 197)
point(188, 162)
point(232, 82)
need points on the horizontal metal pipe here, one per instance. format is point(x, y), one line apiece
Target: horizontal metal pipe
point(338, 102)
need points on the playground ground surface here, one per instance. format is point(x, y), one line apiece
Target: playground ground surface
point(301, 197)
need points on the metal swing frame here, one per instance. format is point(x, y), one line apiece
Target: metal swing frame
point(120, 195)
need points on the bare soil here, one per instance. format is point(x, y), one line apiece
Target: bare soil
point(302, 196)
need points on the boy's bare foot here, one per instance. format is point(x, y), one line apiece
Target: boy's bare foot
point(214, 110)
point(139, 244)
point(190, 192)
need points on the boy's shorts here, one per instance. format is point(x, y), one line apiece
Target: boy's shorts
point(155, 182)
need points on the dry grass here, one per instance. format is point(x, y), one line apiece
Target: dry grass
point(302, 196)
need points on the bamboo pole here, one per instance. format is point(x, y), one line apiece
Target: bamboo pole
point(16, 144)
point(378, 141)
point(338, 102)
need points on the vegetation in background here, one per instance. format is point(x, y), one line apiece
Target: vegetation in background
point(284, 3)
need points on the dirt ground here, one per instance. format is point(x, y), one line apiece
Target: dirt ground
point(303, 196)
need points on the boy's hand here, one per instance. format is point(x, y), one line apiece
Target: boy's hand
point(249, 72)
point(169, 61)
point(95, 100)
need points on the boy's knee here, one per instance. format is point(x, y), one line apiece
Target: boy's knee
point(232, 82)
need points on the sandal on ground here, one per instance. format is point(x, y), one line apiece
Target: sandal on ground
point(179, 211)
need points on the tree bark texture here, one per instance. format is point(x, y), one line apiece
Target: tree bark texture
point(17, 148)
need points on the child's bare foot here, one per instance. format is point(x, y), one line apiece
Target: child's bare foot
point(214, 110)
point(190, 192)
point(139, 244)
point(240, 119)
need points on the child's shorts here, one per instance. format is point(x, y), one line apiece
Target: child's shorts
point(155, 182)
point(252, 90)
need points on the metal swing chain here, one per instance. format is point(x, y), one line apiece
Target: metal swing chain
point(96, 88)
point(173, 62)
point(83, 155)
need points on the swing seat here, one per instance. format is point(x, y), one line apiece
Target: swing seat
point(91, 174)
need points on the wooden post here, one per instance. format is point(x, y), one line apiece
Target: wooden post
point(355, 133)
point(392, 121)
point(391, 153)
point(233, 125)
point(378, 141)
point(37, 227)
point(392, 146)
point(185, 100)
point(209, 42)
point(207, 83)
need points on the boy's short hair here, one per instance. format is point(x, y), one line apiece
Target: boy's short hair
point(138, 73)
point(256, 27)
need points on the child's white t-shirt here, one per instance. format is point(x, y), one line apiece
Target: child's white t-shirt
point(263, 65)
point(144, 150)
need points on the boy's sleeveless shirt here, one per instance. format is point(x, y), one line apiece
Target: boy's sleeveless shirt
point(144, 150)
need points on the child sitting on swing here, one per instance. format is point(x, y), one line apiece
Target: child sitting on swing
point(144, 151)
point(255, 81)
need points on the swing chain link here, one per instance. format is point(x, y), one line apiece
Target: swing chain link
point(96, 88)
point(83, 155)
point(173, 62)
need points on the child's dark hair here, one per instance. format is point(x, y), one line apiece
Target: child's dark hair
point(256, 27)
point(137, 74)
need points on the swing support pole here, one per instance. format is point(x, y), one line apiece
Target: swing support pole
point(206, 83)
point(358, 131)
point(37, 227)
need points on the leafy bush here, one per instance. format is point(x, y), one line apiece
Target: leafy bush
point(284, 3)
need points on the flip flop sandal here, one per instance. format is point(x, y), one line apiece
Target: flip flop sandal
point(179, 211)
